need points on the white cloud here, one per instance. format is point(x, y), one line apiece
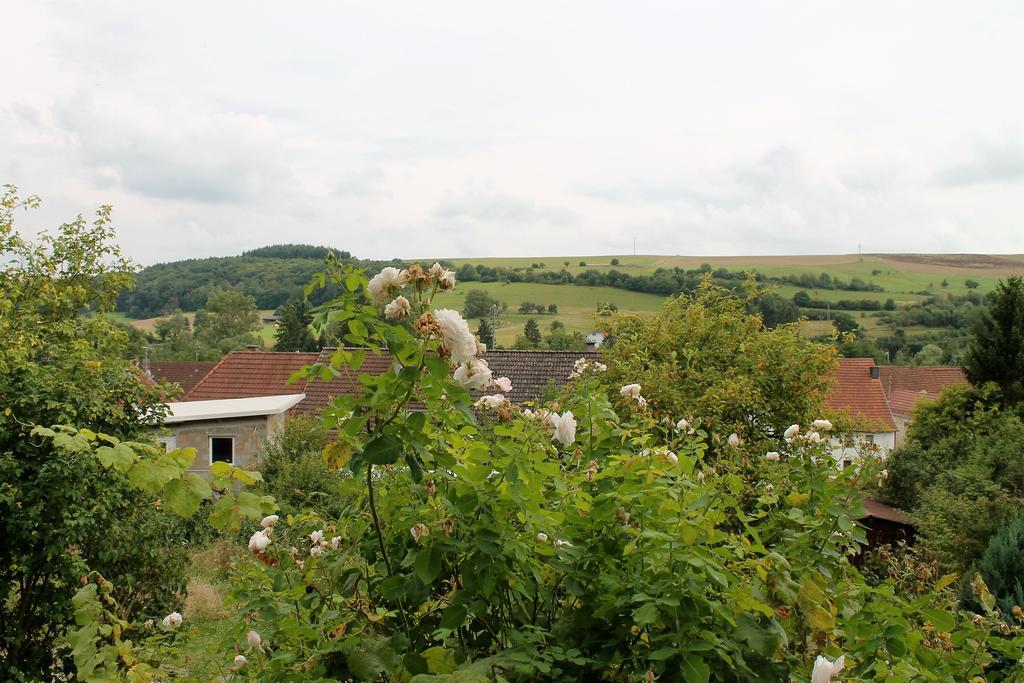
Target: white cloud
point(402, 130)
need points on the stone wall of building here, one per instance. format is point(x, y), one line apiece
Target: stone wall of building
point(248, 433)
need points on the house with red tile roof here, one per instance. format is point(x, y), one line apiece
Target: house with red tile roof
point(857, 394)
point(533, 374)
point(247, 374)
point(905, 387)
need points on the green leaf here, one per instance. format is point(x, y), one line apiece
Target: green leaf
point(695, 670)
point(763, 639)
point(428, 564)
point(941, 619)
point(120, 457)
point(383, 450)
point(645, 614)
point(181, 498)
point(250, 505)
point(223, 515)
point(453, 617)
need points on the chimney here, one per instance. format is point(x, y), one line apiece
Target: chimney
point(874, 372)
point(252, 347)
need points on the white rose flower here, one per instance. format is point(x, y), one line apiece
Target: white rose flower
point(335, 542)
point(559, 543)
point(630, 391)
point(269, 521)
point(564, 427)
point(494, 402)
point(259, 541)
point(771, 456)
point(447, 281)
point(700, 476)
point(791, 432)
point(316, 551)
point(172, 620)
point(503, 383)
point(419, 531)
point(399, 308)
point(672, 458)
point(380, 285)
point(436, 271)
point(683, 425)
point(825, 670)
point(823, 425)
point(240, 661)
point(474, 375)
point(734, 439)
point(455, 336)
point(813, 437)
point(253, 638)
point(542, 537)
point(316, 537)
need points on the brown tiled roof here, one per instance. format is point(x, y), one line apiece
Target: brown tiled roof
point(243, 374)
point(532, 372)
point(903, 401)
point(320, 393)
point(931, 379)
point(858, 395)
point(879, 510)
point(183, 373)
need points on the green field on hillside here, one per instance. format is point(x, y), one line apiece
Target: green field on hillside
point(905, 278)
point(576, 305)
point(898, 274)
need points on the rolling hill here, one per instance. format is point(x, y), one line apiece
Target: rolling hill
point(273, 274)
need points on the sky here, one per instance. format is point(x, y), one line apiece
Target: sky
point(473, 129)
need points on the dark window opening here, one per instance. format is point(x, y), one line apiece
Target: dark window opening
point(222, 449)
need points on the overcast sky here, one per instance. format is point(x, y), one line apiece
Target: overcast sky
point(426, 129)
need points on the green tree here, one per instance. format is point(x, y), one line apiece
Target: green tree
point(774, 310)
point(58, 367)
point(996, 351)
point(228, 322)
point(802, 299)
point(531, 330)
point(930, 354)
point(485, 333)
point(845, 323)
point(708, 358)
point(553, 309)
point(293, 332)
point(615, 261)
point(959, 473)
point(176, 340)
point(1002, 565)
point(479, 304)
point(971, 284)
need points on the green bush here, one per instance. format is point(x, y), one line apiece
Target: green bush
point(1002, 565)
point(296, 474)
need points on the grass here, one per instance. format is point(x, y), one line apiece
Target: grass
point(898, 274)
point(576, 305)
point(906, 278)
point(206, 623)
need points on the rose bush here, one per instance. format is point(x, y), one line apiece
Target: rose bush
point(570, 541)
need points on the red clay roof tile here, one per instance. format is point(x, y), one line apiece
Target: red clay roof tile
point(858, 395)
point(242, 374)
